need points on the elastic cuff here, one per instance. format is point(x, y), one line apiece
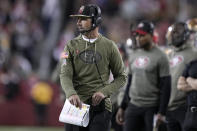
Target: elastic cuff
point(104, 93)
point(70, 93)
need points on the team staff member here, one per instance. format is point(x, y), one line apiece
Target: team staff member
point(86, 65)
point(188, 83)
point(149, 83)
point(182, 53)
point(192, 25)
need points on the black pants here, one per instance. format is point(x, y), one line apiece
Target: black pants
point(139, 118)
point(99, 121)
point(175, 119)
point(190, 123)
point(115, 126)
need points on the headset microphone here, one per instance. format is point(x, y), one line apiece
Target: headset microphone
point(86, 30)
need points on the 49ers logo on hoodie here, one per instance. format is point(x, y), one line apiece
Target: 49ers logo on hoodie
point(90, 56)
point(141, 62)
point(176, 60)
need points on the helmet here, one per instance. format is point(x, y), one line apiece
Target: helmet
point(90, 11)
point(177, 34)
point(192, 24)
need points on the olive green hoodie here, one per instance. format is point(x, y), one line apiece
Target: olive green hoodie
point(80, 75)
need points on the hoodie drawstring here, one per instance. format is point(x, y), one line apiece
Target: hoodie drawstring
point(85, 50)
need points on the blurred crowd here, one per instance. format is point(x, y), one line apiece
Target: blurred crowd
point(33, 33)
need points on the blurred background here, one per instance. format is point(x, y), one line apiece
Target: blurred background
point(33, 34)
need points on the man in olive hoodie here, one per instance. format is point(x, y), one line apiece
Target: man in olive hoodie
point(86, 64)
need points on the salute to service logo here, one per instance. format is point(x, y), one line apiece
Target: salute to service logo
point(176, 60)
point(141, 62)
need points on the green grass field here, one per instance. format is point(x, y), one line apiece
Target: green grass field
point(30, 128)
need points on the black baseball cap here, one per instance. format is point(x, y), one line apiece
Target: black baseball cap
point(84, 11)
point(145, 27)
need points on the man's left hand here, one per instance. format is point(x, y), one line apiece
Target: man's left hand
point(159, 119)
point(97, 98)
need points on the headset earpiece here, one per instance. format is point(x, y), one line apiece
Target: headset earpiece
point(95, 12)
point(92, 12)
point(186, 32)
point(98, 19)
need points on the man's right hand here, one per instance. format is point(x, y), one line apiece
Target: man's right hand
point(192, 82)
point(120, 116)
point(74, 100)
point(181, 83)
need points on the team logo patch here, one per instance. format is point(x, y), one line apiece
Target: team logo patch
point(77, 51)
point(141, 62)
point(81, 9)
point(90, 57)
point(176, 60)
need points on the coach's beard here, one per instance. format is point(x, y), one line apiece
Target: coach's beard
point(82, 31)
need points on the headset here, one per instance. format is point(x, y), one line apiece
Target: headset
point(186, 32)
point(95, 12)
